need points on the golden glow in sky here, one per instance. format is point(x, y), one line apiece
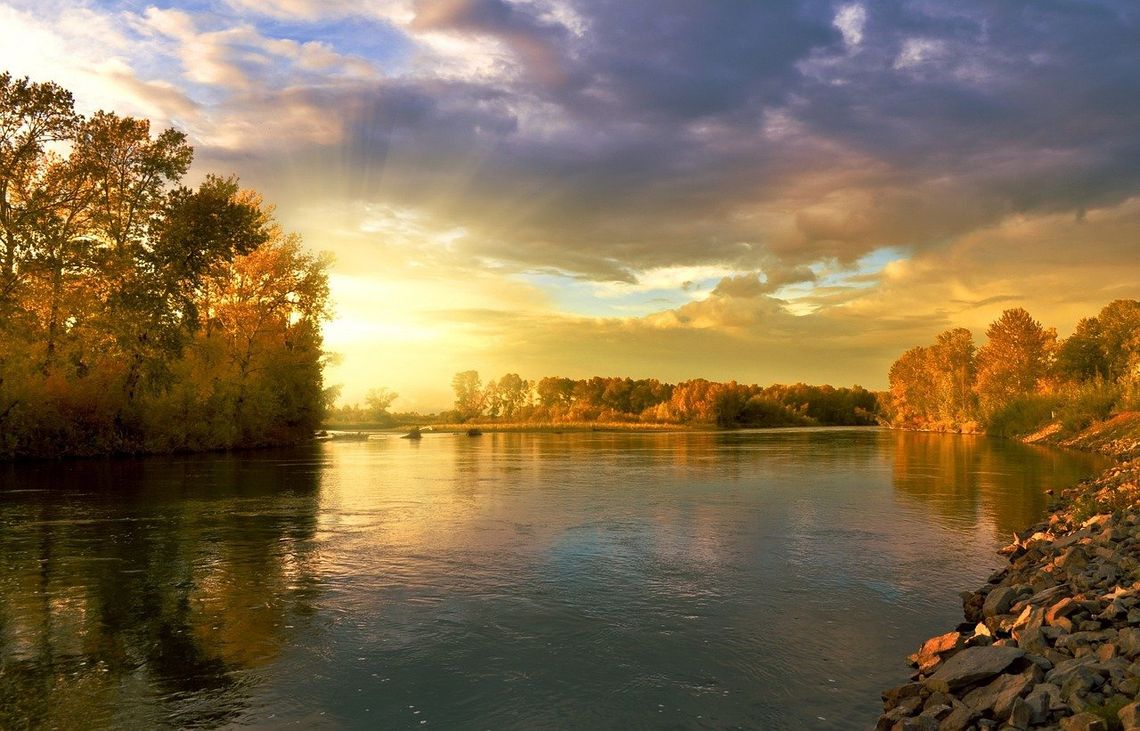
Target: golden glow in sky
point(753, 191)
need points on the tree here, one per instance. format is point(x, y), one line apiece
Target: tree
point(469, 396)
point(912, 389)
point(1016, 360)
point(1081, 356)
point(951, 359)
point(512, 392)
point(139, 314)
point(378, 401)
point(1119, 336)
point(32, 115)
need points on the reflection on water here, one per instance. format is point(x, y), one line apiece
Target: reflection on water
point(134, 593)
point(757, 579)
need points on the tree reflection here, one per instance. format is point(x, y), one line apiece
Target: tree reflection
point(964, 477)
point(139, 592)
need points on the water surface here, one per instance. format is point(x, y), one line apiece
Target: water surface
point(770, 579)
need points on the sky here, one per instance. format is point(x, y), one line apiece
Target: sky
point(727, 189)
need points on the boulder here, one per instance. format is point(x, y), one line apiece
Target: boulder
point(1129, 641)
point(1129, 716)
point(1063, 608)
point(1000, 694)
point(971, 665)
point(999, 601)
point(1084, 722)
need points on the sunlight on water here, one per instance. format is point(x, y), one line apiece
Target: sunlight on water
point(754, 579)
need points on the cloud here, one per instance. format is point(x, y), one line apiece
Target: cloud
point(850, 20)
point(609, 152)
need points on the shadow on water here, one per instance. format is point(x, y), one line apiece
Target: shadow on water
point(136, 593)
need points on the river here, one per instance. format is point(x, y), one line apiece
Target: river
point(759, 579)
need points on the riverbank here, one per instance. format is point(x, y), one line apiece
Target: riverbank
point(1052, 641)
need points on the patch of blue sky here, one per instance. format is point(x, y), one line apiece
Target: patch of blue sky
point(862, 274)
point(588, 298)
point(372, 39)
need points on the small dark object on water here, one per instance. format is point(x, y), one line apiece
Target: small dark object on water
point(474, 433)
point(413, 434)
point(358, 436)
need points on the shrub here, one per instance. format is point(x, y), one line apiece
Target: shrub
point(1088, 403)
point(1023, 415)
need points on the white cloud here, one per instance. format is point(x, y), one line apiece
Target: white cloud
point(850, 20)
point(917, 51)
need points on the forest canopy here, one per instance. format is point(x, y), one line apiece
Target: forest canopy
point(1023, 377)
point(512, 399)
point(138, 314)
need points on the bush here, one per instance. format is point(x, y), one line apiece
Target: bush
point(1023, 415)
point(1088, 403)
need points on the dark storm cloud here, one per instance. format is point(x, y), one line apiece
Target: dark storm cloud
point(673, 133)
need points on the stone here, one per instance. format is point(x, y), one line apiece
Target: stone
point(894, 696)
point(1062, 608)
point(1129, 686)
point(1084, 722)
point(972, 603)
point(1129, 641)
point(1034, 708)
point(971, 665)
point(1000, 694)
point(1033, 640)
point(1079, 684)
point(958, 719)
point(931, 652)
point(1021, 715)
point(999, 601)
point(1129, 716)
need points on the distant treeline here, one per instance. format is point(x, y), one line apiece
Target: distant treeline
point(1023, 377)
point(513, 399)
point(137, 314)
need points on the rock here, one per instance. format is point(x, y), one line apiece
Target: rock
point(1063, 608)
point(1129, 716)
point(1129, 686)
point(1000, 694)
point(931, 652)
point(1033, 640)
point(971, 665)
point(999, 601)
point(1084, 722)
point(894, 696)
point(1033, 708)
point(958, 719)
point(1079, 684)
point(1129, 641)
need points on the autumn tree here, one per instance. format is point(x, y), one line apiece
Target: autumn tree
point(32, 116)
point(511, 394)
point(1016, 360)
point(469, 395)
point(1081, 356)
point(912, 388)
point(378, 401)
point(139, 314)
point(951, 360)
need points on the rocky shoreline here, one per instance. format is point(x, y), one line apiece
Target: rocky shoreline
point(1052, 641)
